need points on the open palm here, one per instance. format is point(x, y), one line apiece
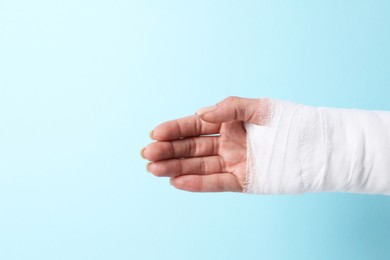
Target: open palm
point(205, 152)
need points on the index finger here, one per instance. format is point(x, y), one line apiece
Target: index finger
point(184, 127)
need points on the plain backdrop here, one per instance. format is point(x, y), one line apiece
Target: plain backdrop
point(83, 82)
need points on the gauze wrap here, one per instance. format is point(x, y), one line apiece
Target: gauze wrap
point(302, 148)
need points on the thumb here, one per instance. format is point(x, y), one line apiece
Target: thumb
point(251, 110)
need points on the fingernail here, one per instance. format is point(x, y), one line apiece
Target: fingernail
point(147, 166)
point(151, 135)
point(206, 110)
point(142, 152)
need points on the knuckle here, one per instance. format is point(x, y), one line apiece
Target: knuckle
point(198, 126)
point(220, 184)
point(232, 99)
point(193, 149)
point(203, 169)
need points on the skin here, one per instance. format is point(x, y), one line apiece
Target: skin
point(205, 152)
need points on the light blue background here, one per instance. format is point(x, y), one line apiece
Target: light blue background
point(83, 82)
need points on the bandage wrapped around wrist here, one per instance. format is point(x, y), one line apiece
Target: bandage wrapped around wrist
point(298, 148)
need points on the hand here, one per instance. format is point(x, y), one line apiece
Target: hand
point(205, 152)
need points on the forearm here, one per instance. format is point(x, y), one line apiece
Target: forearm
point(312, 149)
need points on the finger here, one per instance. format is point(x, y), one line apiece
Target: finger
point(183, 148)
point(251, 110)
point(207, 183)
point(176, 167)
point(183, 127)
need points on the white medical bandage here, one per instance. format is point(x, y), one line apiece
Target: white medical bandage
point(318, 149)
